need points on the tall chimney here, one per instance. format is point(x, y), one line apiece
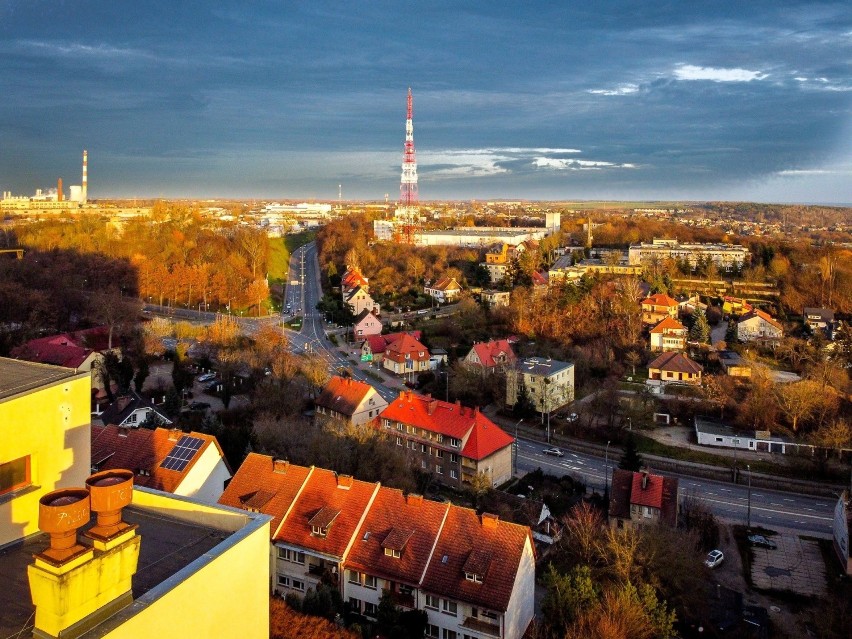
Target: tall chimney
point(85, 175)
point(59, 195)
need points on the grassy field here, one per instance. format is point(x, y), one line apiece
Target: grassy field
point(280, 249)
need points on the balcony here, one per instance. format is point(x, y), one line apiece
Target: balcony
point(477, 625)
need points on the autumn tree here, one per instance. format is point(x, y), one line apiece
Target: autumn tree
point(798, 400)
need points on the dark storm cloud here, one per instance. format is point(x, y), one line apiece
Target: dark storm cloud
point(704, 100)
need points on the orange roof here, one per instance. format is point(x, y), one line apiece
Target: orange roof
point(406, 345)
point(659, 492)
point(489, 352)
point(668, 324)
point(343, 394)
point(411, 520)
point(340, 499)
point(659, 299)
point(766, 317)
point(481, 436)
point(378, 343)
point(487, 545)
point(353, 277)
point(539, 279)
point(265, 485)
point(676, 363)
point(143, 451)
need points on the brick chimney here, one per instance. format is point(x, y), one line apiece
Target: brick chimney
point(489, 521)
point(75, 587)
point(413, 499)
point(280, 466)
point(344, 481)
point(644, 480)
point(433, 404)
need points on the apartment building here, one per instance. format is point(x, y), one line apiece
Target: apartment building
point(473, 575)
point(725, 256)
point(452, 441)
point(549, 383)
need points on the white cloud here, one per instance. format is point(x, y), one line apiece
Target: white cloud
point(800, 79)
point(572, 164)
point(692, 72)
point(802, 172)
point(624, 89)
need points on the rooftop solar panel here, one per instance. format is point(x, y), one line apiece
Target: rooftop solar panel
point(182, 453)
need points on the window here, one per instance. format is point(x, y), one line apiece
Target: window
point(439, 454)
point(399, 441)
point(647, 512)
point(439, 469)
point(291, 556)
point(440, 438)
point(392, 552)
point(422, 448)
point(400, 427)
point(131, 419)
point(355, 603)
point(387, 423)
point(370, 582)
point(449, 634)
point(432, 631)
point(449, 607)
point(423, 464)
point(432, 602)
point(370, 609)
point(470, 576)
point(319, 531)
point(488, 615)
point(454, 474)
point(718, 439)
point(454, 458)
point(283, 581)
point(298, 585)
point(354, 577)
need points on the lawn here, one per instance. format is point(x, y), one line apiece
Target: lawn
point(280, 249)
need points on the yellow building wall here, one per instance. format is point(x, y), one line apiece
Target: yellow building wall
point(228, 597)
point(53, 426)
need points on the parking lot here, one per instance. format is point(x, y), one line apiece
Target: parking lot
point(795, 566)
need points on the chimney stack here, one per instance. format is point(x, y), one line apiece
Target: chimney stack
point(489, 521)
point(644, 479)
point(280, 466)
point(85, 185)
point(59, 196)
point(413, 499)
point(110, 491)
point(60, 514)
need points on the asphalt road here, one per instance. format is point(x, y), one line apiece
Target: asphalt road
point(729, 502)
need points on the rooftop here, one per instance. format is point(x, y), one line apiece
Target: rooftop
point(543, 366)
point(18, 377)
point(676, 362)
point(170, 545)
point(344, 395)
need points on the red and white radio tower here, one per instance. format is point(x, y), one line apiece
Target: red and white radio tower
point(407, 213)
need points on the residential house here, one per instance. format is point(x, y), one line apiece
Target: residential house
point(735, 306)
point(641, 499)
point(709, 432)
point(187, 464)
point(450, 440)
point(759, 326)
point(444, 291)
point(820, 319)
point(674, 367)
point(496, 354)
point(373, 348)
point(658, 307)
point(495, 299)
point(472, 575)
point(549, 383)
point(352, 279)
point(668, 335)
point(540, 282)
point(733, 364)
point(366, 323)
point(348, 402)
point(131, 411)
point(405, 356)
point(481, 578)
point(358, 300)
point(841, 525)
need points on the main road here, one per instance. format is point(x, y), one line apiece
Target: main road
point(729, 502)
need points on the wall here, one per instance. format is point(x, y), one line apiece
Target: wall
point(522, 601)
point(206, 479)
point(52, 425)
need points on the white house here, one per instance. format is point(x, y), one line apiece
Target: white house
point(757, 325)
point(445, 290)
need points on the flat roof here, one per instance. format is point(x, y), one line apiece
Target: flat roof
point(542, 366)
point(169, 544)
point(17, 376)
point(486, 232)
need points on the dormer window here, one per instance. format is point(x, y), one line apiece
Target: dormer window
point(322, 521)
point(472, 576)
point(391, 552)
point(476, 566)
point(395, 542)
point(319, 531)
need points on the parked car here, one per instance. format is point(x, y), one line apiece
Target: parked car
point(199, 406)
point(556, 452)
point(714, 558)
point(762, 542)
point(207, 377)
point(573, 417)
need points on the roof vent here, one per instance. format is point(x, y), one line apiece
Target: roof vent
point(344, 481)
point(174, 434)
point(280, 466)
point(489, 521)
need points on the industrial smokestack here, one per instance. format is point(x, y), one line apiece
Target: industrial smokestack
point(59, 196)
point(85, 175)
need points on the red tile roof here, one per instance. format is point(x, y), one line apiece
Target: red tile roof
point(465, 535)
point(659, 299)
point(343, 395)
point(322, 490)
point(539, 279)
point(266, 485)
point(677, 363)
point(651, 494)
point(668, 324)
point(762, 315)
point(352, 278)
point(141, 449)
point(445, 283)
point(660, 492)
point(391, 517)
point(379, 343)
point(489, 352)
point(480, 435)
point(406, 344)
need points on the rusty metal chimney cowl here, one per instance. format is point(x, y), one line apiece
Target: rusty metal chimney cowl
point(110, 491)
point(60, 514)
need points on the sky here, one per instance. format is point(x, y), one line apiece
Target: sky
point(562, 100)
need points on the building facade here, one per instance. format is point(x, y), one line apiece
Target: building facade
point(725, 256)
point(347, 402)
point(668, 335)
point(759, 326)
point(549, 383)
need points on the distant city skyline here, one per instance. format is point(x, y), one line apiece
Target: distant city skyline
point(536, 101)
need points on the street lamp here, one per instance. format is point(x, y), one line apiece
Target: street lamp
point(748, 511)
point(515, 449)
point(606, 473)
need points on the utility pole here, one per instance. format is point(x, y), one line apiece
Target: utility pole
point(606, 474)
point(748, 511)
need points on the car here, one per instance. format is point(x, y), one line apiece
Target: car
point(423, 311)
point(714, 558)
point(573, 417)
point(762, 542)
point(199, 406)
point(207, 377)
point(556, 452)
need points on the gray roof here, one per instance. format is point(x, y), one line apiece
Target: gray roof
point(825, 314)
point(710, 427)
point(543, 366)
point(562, 262)
point(18, 377)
